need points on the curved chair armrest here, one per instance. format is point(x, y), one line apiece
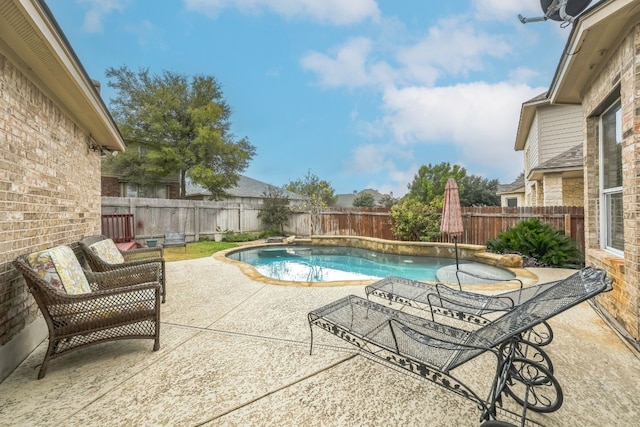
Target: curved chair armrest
point(143, 254)
point(424, 338)
point(124, 276)
point(492, 279)
point(475, 300)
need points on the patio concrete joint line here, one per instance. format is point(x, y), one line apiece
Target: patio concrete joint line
point(306, 377)
point(231, 310)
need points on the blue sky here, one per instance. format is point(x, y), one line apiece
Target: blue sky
point(359, 92)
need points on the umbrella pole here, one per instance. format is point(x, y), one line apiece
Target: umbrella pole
point(455, 242)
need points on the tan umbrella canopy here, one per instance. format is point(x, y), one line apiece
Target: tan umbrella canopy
point(451, 224)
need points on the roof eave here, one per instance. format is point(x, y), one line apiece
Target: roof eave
point(588, 47)
point(35, 43)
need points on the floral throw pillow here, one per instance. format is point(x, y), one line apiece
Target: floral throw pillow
point(69, 270)
point(60, 267)
point(107, 251)
point(41, 262)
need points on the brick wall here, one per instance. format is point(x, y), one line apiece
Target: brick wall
point(552, 184)
point(573, 191)
point(110, 186)
point(620, 71)
point(49, 187)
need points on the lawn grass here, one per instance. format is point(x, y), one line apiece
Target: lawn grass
point(196, 250)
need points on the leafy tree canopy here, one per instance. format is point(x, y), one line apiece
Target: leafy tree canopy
point(479, 191)
point(317, 192)
point(413, 220)
point(429, 183)
point(387, 201)
point(275, 212)
point(180, 126)
point(364, 200)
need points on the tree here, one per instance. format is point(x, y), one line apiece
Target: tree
point(413, 220)
point(179, 126)
point(387, 201)
point(479, 191)
point(275, 212)
point(428, 186)
point(317, 194)
point(364, 200)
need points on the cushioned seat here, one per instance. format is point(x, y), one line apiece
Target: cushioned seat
point(102, 254)
point(82, 307)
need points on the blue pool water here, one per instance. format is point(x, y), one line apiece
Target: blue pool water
point(331, 263)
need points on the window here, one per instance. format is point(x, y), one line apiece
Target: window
point(150, 191)
point(612, 227)
point(512, 202)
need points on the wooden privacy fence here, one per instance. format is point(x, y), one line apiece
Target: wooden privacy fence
point(154, 217)
point(480, 223)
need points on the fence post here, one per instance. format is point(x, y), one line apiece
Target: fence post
point(567, 225)
point(196, 223)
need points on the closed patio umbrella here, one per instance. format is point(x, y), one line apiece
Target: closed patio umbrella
point(451, 224)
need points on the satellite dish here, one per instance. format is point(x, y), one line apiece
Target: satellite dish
point(559, 10)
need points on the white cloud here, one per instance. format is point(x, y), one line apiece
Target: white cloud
point(501, 10)
point(478, 119)
point(347, 65)
point(454, 46)
point(97, 11)
point(373, 159)
point(336, 12)
point(522, 75)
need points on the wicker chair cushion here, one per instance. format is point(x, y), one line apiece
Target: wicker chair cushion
point(42, 263)
point(107, 251)
point(59, 266)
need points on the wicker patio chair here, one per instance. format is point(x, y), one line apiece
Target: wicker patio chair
point(83, 308)
point(102, 254)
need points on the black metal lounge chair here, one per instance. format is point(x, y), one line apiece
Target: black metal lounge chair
point(461, 305)
point(432, 350)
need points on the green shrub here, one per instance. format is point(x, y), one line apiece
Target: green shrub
point(412, 220)
point(538, 240)
point(232, 236)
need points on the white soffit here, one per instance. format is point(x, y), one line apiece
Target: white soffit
point(34, 42)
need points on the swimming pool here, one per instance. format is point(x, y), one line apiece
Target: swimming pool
point(339, 263)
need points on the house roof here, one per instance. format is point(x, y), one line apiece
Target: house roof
point(527, 114)
point(517, 186)
point(346, 200)
point(567, 161)
point(31, 38)
point(246, 187)
point(591, 43)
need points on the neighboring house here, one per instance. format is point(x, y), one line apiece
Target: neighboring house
point(115, 186)
point(512, 195)
point(599, 71)
point(551, 138)
point(248, 190)
point(346, 200)
point(53, 129)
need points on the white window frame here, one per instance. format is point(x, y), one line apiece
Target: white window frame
point(605, 194)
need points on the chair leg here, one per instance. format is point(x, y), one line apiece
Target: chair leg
point(164, 285)
point(53, 344)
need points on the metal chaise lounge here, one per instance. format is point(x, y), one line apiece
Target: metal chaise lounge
point(466, 306)
point(433, 350)
point(102, 254)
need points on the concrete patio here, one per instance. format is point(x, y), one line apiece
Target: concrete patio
point(235, 351)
